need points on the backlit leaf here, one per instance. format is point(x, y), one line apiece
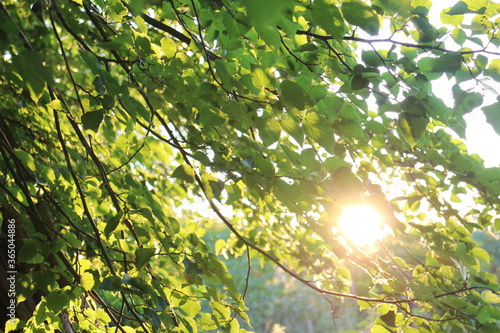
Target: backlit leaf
point(490, 297)
point(425, 31)
point(328, 17)
point(142, 256)
point(318, 129)
point(92, 120)
point(493, 116)
point(87, 281)
point(493, 70)
point(260, 78)
point(447, 63)
point(111, 283)
point(358, 13)
point(293, 94)
point(465, 102)
point(184, 172)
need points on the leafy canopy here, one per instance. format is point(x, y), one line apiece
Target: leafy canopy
point(123, 123)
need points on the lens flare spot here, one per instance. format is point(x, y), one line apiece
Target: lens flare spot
point(362, 225)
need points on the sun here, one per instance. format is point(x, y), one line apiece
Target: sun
point(362, 225)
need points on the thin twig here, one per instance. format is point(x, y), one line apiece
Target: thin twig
point(247, 279)
point(390, 40)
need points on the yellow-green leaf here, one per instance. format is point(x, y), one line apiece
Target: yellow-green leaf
point(87, 281)
point(184, 172)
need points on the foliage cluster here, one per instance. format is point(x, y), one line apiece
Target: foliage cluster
point(118, 115)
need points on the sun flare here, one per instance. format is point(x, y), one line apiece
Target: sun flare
point(362, 225)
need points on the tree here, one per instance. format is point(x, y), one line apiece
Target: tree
point(123, 123)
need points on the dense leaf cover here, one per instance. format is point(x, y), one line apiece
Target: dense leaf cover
point(123, 124)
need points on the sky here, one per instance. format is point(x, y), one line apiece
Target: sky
point(482, 139)
point(480, 136)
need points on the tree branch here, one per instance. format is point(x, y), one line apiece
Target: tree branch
point(390, 40)
point(163, 27)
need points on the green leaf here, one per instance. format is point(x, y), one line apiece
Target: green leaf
point(223, 73)
point(425, 31)
point(481, 61)
point(493, 70)
point(493, 116)
point(394, 6)
point(412, 127)
point(129, 180)
point(461, 8)
point(271, 37)
point(357, 13)
point(379, 329)
point(330, 106)
point(318, 129)
point(55, 104)
point(191, 307)
point(389, 318)
point(351, 129)
point(454, 20)
point(213, 186)
point(328, 17)
point(334, 163)
point(92, 120)
point(465, 258)
point(447, 63)
point(57, 300)
point(271, 132)
point(408, 65)
point(422, 292)
point(110, 45)
point(260, 78)
point(111, 283)
point(459, 36)
point(234, 326)
point(29, 251)
point(364, 305)
point(481, 254)
point(141, 24)
point(112, 223)
point(205, 90)
point(293, 128)
point(306, 47)
point(220, 311)
point(72, 240)
point(421, 7)
point(210, 117)
point(359, 82)
point(26, 159)
point(191, 267)
point(264, 13)
point(477, 6)
point(99, 85)
point(134, 107)
point(168, 46)
point(184, 172)
point(292, 93)
point(465, 102)
point(87, 281)
point(483, 316)
point(35, 75)
point(490, 297)
point(142, 256)
point(371, 58)
point(285, 193)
